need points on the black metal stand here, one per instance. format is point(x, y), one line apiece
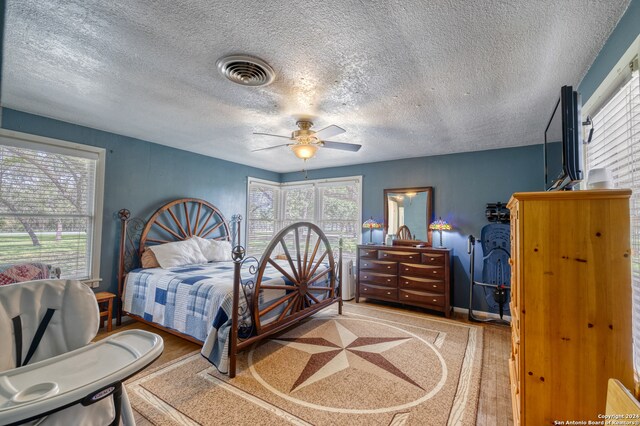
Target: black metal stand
point(471, 250)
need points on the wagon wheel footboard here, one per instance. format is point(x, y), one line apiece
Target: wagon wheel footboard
point(302, 256)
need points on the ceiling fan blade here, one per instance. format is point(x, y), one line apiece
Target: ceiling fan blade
point(269, 134)
point(270, 147)
point(329, 132)
point(354, 147)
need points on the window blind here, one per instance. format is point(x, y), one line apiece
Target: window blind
point(616, 146)
point(340, 213)
point(334, 205)
point(299, 204)
point(262, 215)
point(47, 201)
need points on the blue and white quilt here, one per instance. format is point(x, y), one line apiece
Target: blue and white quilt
point(197, 300)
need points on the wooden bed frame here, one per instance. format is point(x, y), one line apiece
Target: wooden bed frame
point(187, 217)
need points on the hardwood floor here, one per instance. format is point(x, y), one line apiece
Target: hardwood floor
point(494, 405)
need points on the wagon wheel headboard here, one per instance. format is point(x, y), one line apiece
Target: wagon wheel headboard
point(182, 219)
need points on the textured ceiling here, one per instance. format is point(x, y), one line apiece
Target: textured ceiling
point(404, 78)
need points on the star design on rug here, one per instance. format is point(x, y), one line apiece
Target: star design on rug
point(347, 350)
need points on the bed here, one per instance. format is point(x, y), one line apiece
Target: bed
point(226, 306)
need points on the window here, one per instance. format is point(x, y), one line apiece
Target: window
point(299, 203)
point(616, 146)
point(339, 216)
point(51, 203)
point(333, 204)
point(262, 214)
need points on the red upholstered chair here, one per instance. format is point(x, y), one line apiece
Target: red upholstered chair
point(28, 271)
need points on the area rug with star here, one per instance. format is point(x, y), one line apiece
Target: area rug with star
point(370, 366)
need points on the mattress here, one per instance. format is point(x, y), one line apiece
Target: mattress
point(196, 300)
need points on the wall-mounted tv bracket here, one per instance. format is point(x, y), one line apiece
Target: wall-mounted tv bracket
point(588, 122)
point(496, 271)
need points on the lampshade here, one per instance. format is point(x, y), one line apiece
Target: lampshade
point(304, 151)
point(440, 225)
point(371, 224)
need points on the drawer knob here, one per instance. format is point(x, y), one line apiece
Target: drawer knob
point(388, 280)
point(406, 295)
point(410, 257)
point(365, 289)
point(406, 269)
point(435, 300)
point(435, 272)
point(388, 292)
point(366, 276)
point(385, 255)
point(433, 258)
point(406, 282)
point(388, 267)
point(434, 286)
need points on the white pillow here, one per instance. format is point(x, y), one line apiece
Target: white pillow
point(224, 250)
point(214, 250)
point(180, 253)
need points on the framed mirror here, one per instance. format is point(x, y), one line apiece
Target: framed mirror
point(407, 214)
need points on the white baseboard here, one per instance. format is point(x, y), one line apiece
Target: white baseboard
point(482, 314)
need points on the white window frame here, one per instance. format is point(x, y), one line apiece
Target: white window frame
point(316, 183)
point(617, 78)
point(278, 215)
point(41, 143)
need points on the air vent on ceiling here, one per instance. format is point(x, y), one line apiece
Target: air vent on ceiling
point(246, 70)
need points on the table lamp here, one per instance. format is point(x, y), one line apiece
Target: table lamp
point(440, 225)
point(371, 225)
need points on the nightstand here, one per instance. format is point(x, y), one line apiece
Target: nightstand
point(105, 304)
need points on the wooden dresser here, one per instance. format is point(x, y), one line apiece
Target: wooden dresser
point(409, 275)
point(570, 303)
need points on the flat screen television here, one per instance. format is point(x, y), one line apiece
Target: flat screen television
point(563, 143)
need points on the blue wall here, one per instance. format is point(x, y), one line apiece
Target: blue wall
point(140, 176)
point(462, 185)
point(619, 41)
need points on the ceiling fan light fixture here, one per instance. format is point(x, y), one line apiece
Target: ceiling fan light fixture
point(304, 151)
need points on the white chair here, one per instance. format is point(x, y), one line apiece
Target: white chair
point(50, 372)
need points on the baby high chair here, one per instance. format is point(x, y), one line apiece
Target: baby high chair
point(50, 372)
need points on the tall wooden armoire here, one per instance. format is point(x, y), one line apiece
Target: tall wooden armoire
point(570, 303)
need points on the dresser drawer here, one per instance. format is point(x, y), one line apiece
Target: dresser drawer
point(378, 278)
point(421, 297)
point(368, 290)
point(422, 284)
point(422, 270)
point(433, 259)
point(515, 315)
point(515, 354)
point(515, 394)
point(402, 256)
point(379, 265)
point(368, 253)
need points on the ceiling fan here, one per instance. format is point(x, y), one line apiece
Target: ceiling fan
point(306, 141)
